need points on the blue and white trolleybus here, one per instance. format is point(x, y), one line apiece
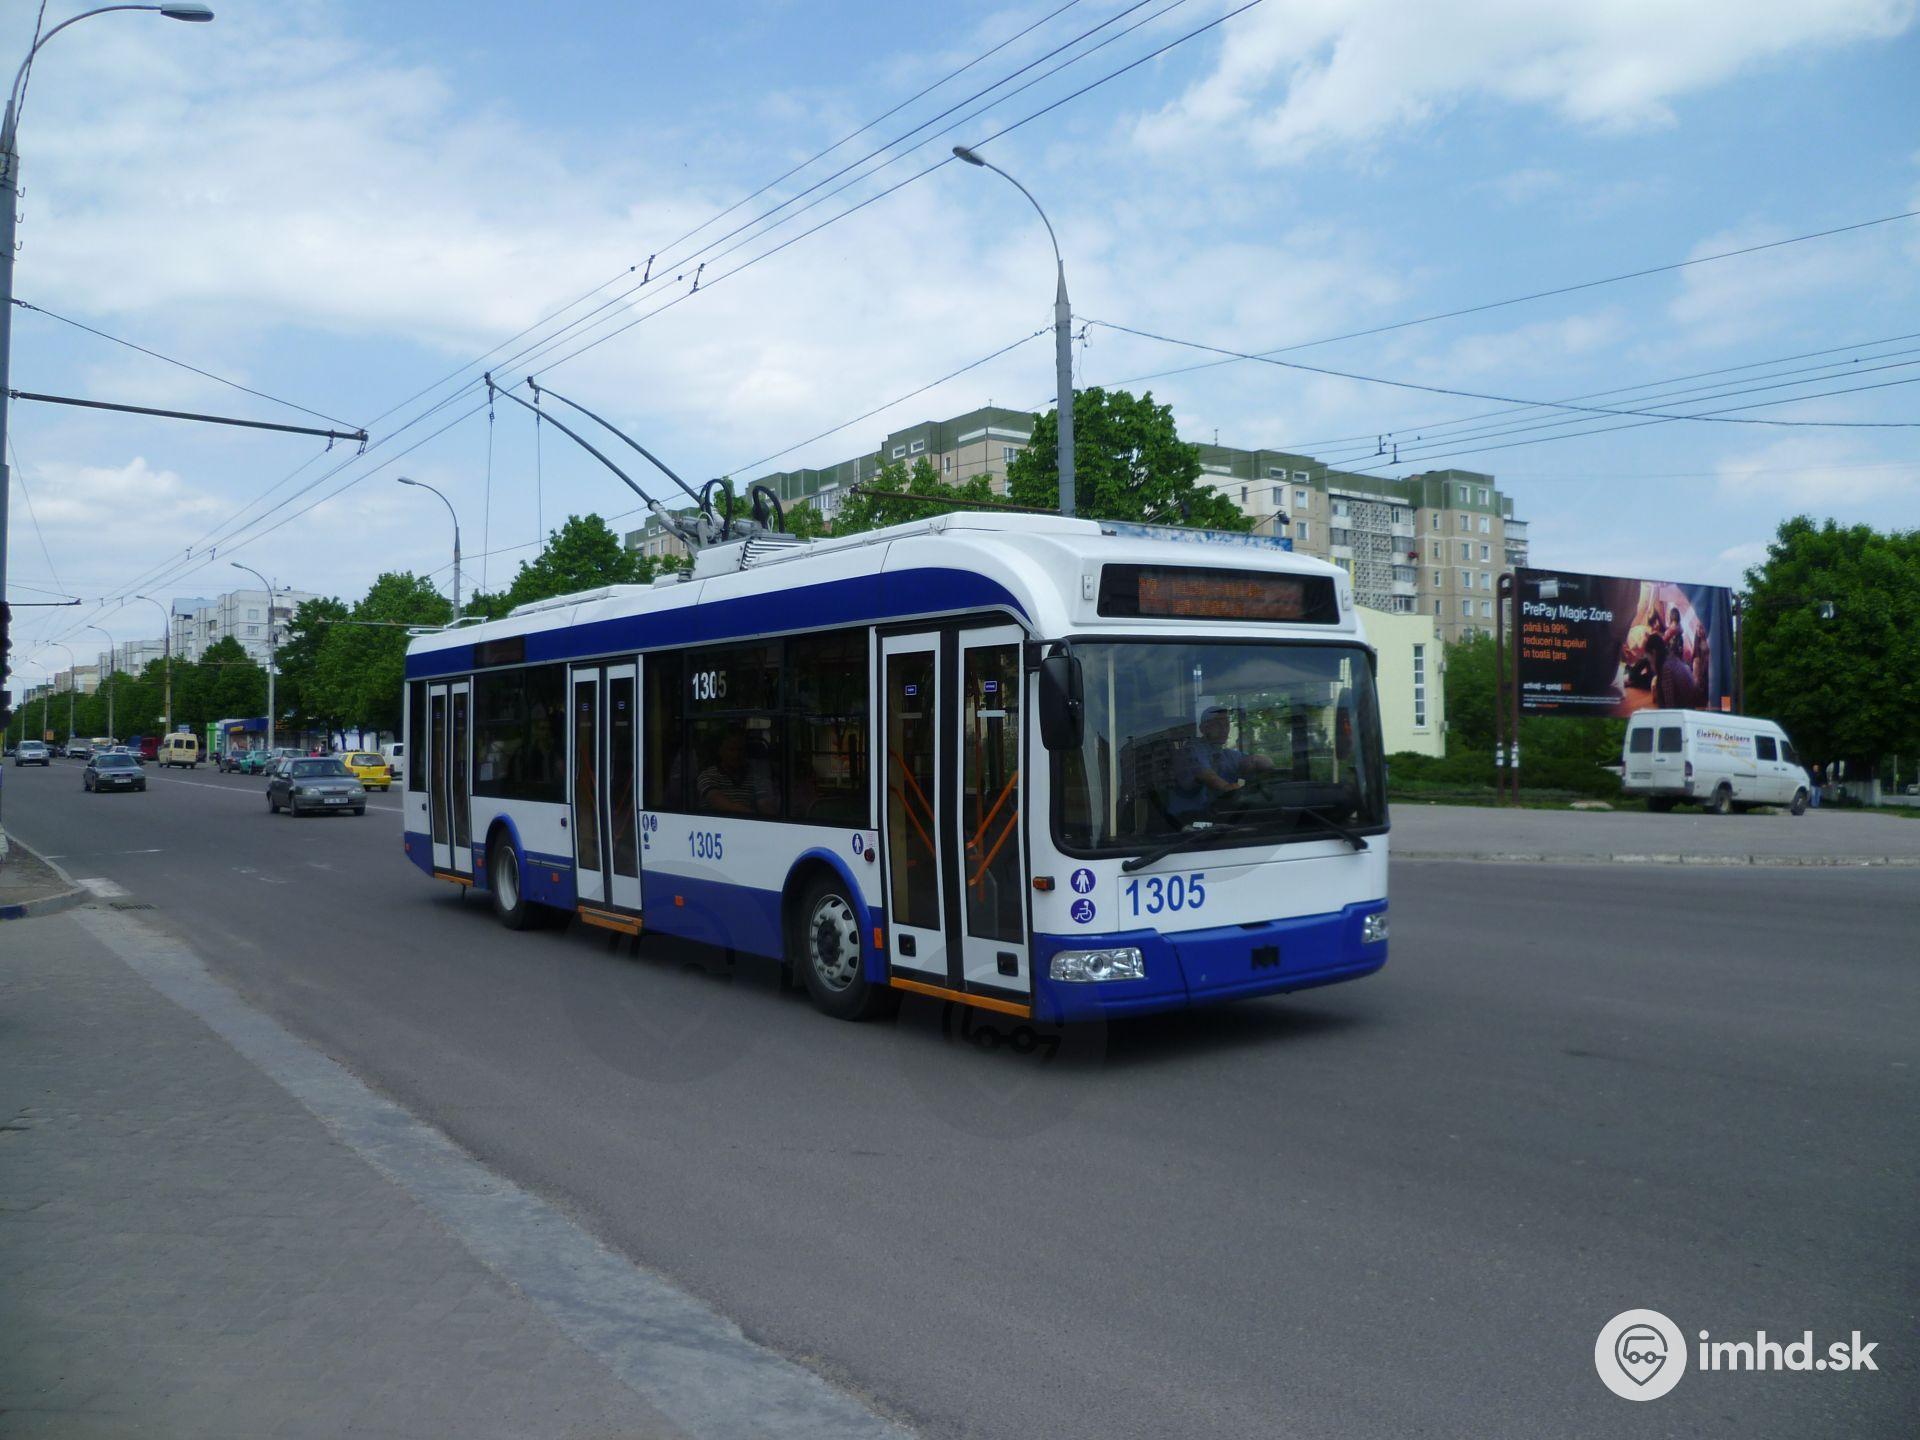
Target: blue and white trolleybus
point(1054, 768)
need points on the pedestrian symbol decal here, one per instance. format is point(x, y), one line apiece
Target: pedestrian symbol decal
point(1082, 882)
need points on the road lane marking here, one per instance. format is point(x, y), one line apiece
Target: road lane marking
point(687, 1360)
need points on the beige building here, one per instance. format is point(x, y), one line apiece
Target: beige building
point(1411, 679)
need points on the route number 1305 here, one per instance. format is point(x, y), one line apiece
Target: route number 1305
point(1167, 893)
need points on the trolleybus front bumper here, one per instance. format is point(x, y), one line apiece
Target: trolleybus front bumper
point(1198, 967)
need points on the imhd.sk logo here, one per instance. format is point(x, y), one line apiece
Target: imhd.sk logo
point(1640, 1355)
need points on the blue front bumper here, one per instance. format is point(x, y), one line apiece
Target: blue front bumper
point(1197, 967)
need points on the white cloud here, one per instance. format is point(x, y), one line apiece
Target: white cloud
point(1815, 473)
point(1296, 77)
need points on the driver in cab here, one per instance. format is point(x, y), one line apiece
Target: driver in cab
point(1208, 768)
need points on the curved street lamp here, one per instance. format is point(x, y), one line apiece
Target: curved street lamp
point(110, 668)
point(422, 485)
point(265, 584)
point(1062, 331)
point(166, 641)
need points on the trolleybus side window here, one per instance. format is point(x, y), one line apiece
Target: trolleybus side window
point(734, 696)
point(519, 743)
point(827, 728)
point(666, 767)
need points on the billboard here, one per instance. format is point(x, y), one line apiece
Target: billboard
point(1601, 645)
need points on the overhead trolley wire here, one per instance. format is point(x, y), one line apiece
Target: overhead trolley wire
point(1532, 296)
point(1503, 399)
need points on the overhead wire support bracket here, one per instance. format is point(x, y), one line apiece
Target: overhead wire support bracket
point(329, 435)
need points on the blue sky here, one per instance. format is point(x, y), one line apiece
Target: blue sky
point(339, 204)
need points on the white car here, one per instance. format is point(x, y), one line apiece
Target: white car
point(1721, 762)
point(32, 752)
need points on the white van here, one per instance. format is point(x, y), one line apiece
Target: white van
point(1721, 762)
point(178, 749)
point(395, 753)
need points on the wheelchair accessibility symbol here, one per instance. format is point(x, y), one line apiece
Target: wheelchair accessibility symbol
point(1082, 912)
point(1082, 882)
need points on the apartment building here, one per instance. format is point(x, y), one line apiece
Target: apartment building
point(1431, 544)
point(242, 614)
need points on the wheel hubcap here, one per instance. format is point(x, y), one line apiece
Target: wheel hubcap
point(506, 878)
point(834, 935)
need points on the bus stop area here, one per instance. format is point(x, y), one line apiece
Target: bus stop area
point(1823, 837)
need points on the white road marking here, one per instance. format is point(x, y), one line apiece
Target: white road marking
point(105, 889)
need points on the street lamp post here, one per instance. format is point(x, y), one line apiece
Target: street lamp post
point(272, 718)
point(1062, 332)
point(9, 188)
point(166, 640)
point(422, 485)
point(111, 733)
point(73, 684)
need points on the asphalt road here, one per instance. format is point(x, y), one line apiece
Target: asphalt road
point(1403, 1206)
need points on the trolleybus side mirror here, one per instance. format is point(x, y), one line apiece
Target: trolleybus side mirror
point(1060, 707)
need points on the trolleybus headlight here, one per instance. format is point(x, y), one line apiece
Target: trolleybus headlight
point(1373, 928)
point(1082, 965)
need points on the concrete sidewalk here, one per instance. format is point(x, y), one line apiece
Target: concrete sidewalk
point(1824, 837)
point(209, 1229)
point(32, 886)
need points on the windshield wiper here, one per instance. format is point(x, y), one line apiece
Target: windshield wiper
point(1352, 837)
point(1191, 840)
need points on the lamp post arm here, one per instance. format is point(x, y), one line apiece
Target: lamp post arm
point(13, 95)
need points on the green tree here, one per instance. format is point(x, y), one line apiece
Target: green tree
point(582, 554)
point(297, 691)
point(234, 683)
point(1844, 682)
point(865, 510)
point(1129, 463)
point(362, 663)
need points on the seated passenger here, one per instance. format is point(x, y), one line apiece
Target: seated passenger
point(729, 786)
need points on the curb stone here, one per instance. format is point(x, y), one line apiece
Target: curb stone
point(73, 895)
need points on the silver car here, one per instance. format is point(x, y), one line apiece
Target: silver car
point(304, 784)
point(32, 752)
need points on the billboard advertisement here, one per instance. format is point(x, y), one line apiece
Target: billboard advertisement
point(1601, 645)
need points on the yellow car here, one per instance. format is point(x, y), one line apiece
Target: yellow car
point(369, 769)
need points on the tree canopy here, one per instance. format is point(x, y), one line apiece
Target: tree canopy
point(1832, 621)
point(1129, 463)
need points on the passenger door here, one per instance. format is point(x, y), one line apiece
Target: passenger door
point(448, 760)
point(954, 806)
point(991, 804)
point(603, 784)
point(1774, 784)
point(914, 829)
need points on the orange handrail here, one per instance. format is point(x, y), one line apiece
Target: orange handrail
point(1013, 824)
point(914, 820)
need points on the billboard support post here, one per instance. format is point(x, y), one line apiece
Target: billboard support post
point(1504, 595)
point(1739, 656)
point(1513, 689)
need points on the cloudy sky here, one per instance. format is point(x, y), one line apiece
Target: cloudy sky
point(347, 205)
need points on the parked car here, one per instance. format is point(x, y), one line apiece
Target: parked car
point(308, 783)
point(253, 762)
point(114, 770)
point(369, 769)
point(32, 752)
point(1721, 762)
